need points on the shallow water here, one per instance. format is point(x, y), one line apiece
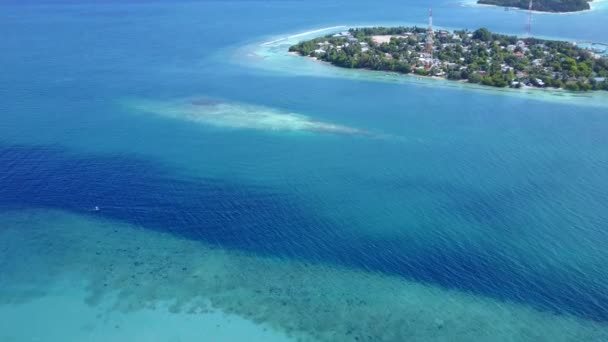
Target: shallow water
point(221, 114)
point(127, 269)
point(156, 161)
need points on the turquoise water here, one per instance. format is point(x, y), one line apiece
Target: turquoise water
point(322, 204)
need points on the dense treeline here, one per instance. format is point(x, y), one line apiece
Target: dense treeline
point(542, 5)
point(380, 31)
point(477, 57)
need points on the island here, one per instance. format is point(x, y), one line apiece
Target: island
point(479, 57)
point(556, 6)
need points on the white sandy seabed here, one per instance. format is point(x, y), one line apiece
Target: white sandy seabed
point(63, 315)
point(68, 277)
point(221, 114)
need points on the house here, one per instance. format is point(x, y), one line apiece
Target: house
point(505, 67)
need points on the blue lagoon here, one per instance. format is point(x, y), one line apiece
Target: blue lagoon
point(168, 172)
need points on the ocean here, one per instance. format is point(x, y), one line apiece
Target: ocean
point(168, 172)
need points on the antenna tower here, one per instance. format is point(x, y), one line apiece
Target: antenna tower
point(430, 34)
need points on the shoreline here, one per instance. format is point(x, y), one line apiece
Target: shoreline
point(445, 80)
point(303, 34)
point(438, 69)
point(276, 58)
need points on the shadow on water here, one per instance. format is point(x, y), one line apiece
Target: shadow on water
point(262, 221)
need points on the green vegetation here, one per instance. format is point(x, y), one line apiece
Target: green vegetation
point(479, 57)
point(542, 5)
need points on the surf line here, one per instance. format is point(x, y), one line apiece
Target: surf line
point(302, 34)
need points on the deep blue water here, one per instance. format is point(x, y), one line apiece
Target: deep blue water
point(259, 220)
point(501, 196)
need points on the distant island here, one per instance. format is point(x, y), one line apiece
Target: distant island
point(557, 6)
point(479, 57)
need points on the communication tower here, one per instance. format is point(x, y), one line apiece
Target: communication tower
point(529, 23)
point(430, 34)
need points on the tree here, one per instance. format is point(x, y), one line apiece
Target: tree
point(584, 70)
point(482, 34)
point(474, 77)
point(572, 86)
point(421, 72)
point(454, 75)
point(403, 68)
point(483, 59)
